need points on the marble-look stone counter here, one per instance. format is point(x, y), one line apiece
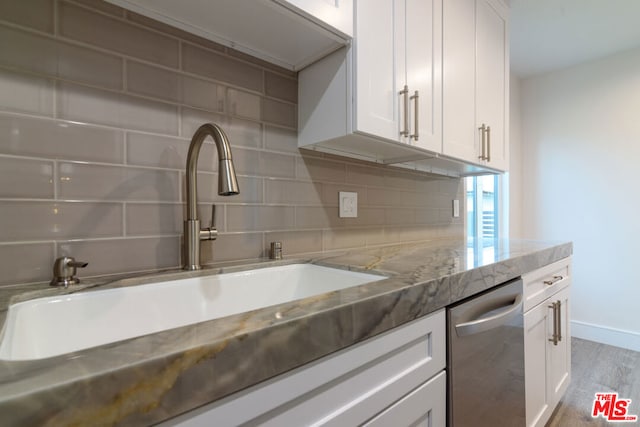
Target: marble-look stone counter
point(144, 380)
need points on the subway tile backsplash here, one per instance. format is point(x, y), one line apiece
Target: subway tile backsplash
point(115, 109)
point(36, 14)
point(35, 178)
point(54, 139)
point(25, 93)
point(30, 220)
point(97, 110)
point(85, 26)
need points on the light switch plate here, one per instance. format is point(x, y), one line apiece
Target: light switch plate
point(456, 208)
point(348, 204)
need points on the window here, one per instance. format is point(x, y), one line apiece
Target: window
point(483, 217)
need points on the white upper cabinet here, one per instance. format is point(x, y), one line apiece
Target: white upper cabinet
point(423, 47)
point(397, 83)
point(424, 85)
point(381, 98)
point(492, 76)
point(289, 33)
point(376, 74)
point(458, 108)
point(476, 82)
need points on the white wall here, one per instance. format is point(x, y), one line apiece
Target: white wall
point(581, 157)
point(515, 160)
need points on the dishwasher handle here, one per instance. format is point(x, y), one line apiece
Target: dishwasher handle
point(491, 322)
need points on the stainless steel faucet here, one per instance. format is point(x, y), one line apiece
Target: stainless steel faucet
point(227, 186)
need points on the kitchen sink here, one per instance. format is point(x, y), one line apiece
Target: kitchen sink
point(52, 326)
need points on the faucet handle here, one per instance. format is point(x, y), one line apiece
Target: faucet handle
point(64, 271)
point(210, 233)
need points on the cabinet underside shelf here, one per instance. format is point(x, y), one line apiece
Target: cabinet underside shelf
point(376, 150)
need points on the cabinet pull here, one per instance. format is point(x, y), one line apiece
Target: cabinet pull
point(405, 92)
point(483, 141)
point(554, 337)
point(553, 280)
point(488, 143)
point(557, 335)
point(415, 116)
point(559, 319)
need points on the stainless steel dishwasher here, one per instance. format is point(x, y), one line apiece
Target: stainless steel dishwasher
point(485, 359)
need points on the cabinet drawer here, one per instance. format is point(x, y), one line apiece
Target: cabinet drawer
point(540, 284)
point(424, 407)
point(345, 388)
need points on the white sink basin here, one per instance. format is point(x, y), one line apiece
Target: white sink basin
point(53, 326)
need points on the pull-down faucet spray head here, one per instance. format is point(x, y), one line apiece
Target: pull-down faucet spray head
point(227, 182)
point(227, 186)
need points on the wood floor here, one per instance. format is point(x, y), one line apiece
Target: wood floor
point(598, 368)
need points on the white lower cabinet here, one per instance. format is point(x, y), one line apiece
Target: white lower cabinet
point(423, 407)
point(547, 341)
point(396, 378)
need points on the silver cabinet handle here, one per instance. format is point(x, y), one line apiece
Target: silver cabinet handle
point(487, 323)
point(553, 280)
point(557, 335)
point(559, 319)
point(488, 143)
point(482, 129)
point(415, 117)
point(554, 336)
point(405, 92)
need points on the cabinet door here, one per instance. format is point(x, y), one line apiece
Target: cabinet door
point(475, 81)
point(398, 45)
point(460, 136)
point(536, 333)
point(559, 362)
point(491, 80)
point(378, 81)
point(423, 62)
point(547, 364)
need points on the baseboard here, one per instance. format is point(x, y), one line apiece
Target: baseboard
point(605, 335)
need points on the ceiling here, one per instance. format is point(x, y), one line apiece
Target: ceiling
point(552, 34)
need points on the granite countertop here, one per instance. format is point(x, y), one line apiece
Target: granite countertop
point(148, 379)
